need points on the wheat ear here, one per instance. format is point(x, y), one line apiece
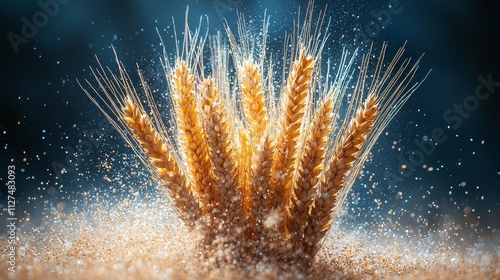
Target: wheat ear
point(253, 100)
point(310, 167)
point(345, 154)
point(291, 115)
point(161, 158)
point(230, 196)
point(192, 136)
point(260, 183)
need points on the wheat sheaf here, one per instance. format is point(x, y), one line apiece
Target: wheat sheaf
point(259, 166)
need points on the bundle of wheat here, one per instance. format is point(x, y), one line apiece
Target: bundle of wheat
point(261, 176)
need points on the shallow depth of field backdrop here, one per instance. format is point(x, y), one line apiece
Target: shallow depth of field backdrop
point(48, 126)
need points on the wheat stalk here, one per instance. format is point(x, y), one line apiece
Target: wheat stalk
point(166, 166)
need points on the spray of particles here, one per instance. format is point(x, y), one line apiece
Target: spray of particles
point(143, 239)
point(254, 164)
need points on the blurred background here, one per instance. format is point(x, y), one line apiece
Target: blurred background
point(63, 147)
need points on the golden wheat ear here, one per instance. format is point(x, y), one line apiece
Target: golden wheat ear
point(389, 90)
point(259, 180)
point(292, 112)
point(310, 167)
point(222, 154)
point(345, 154)
point(253, 100)
point(118, 100)
point(161, 158)
point(192, 135)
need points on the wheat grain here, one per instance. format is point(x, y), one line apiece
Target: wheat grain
point(260, 183)
point(244, 158)
point(253, 100)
